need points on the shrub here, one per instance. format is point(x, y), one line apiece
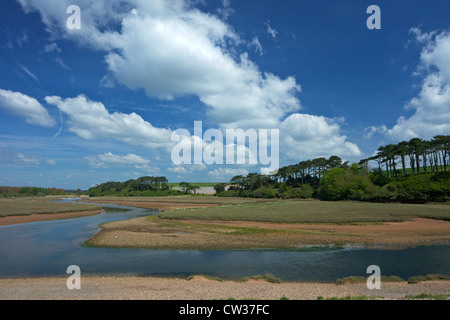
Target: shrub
point(263, 192)
point(420, 188)
point(306, 191)
point(345, 184)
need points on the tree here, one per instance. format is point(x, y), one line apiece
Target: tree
point(402, 151)
point(185, 187)
point(220, 187)
point(194, 189)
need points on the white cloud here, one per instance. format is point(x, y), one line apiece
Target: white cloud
point(52, 47)
point(91, 120)
point(258, 47)
point(432, 105)
point(373, 129)
point(304, 136)
point(22, 105)
point(225, 174)
point(25, 160)
point(105, 160)
point(188, 169)
point(273, 33)
point(28, 72)
point(50, 162)
point(18, 158)
point(225, 11)
point(170, 49)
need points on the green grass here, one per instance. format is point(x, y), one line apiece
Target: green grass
point(409, 170)
point(350, 298)
point(428, 296)
point(206, 277)
point(29, 206)
point(359, 279)
point(428, 277)
point(267, 277)
point(291, 211)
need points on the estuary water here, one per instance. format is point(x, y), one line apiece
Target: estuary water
point(47, 248)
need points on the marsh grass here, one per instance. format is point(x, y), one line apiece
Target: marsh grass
point(342, 212)
point(266, 277)
point(359, 279)
point(208, 277)
point(351, 298)
point(29, 206)
point(233, 230)
point(428, 296)
point(428, 277)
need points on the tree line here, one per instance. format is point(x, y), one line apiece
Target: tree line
point(30, 191)
point(422, 156)
point(332, 179)
point(134, 187)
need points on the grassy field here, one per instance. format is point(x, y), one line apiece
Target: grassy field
point(342, 212)
point(40, 205)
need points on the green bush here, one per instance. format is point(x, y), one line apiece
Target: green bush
point(229, 193)
point(263, 192)
point(420, 188)
point(345, 184)
point(306, 191)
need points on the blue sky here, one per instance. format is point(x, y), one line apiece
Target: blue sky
point(82, 107)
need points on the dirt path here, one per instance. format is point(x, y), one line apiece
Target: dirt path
point(137, 288)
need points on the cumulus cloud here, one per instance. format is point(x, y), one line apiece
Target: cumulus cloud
point(91, 120)
point(187, 169)
point(106, 159)
point(432, 105)
point(306, 136)
point(22, 105)
point(225, 174)
point(170, 49)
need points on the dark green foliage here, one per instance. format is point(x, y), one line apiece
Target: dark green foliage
point(305, 191)
point(416, 189)
point(345, 184)
point(144, 186)
point(29, 192)
point(427, 178)
point(220, 187)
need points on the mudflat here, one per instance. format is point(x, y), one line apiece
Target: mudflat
point(10, 220)
point(157, 233)
point(200, 288)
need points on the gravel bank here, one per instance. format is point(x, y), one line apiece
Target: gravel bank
point(198, 288)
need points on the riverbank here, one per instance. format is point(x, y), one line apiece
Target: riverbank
point(200, 288)
point(11, 220)
point(283, 225)
point(32, 209)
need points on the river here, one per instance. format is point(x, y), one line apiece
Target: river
point(47, 248)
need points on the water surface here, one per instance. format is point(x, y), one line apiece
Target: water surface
point(47, 248)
